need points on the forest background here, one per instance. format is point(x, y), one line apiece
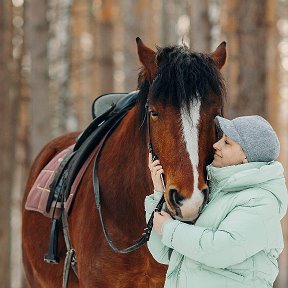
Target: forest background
point(57, 56)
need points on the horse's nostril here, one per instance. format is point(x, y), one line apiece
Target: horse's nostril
point(175, 198)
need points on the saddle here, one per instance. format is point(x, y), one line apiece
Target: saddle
point(57, 183)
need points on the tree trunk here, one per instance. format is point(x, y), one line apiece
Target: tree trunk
point(21, 140)
point(200, 26)
point(82, 61)
point(168, 22)
point(59, 66)
point(244, 25)
point(105, 40)
point(7, 147)
point(231, 71)
point(133, 26)
point(36, 26)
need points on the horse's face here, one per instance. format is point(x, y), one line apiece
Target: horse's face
point(182, 120)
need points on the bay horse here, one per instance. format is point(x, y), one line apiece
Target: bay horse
point(185, 91)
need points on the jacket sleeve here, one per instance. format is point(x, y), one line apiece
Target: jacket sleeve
point(158, 250)
point(243, 233)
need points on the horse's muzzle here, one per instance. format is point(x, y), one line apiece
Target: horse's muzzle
point(175, 201)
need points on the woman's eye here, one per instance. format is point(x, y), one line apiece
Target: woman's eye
point(226, 142)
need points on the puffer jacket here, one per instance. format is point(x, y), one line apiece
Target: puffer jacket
point(237, 238)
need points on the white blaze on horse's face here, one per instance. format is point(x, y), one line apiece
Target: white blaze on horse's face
point(190, 123)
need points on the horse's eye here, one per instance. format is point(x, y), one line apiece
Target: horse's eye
point(154, 113)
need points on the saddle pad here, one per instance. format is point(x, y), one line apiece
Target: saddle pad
point(39, 193)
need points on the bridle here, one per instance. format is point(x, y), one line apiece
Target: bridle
point(147, 231)
point(150, 147)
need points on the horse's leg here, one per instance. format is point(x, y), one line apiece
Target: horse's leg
point(36, 229)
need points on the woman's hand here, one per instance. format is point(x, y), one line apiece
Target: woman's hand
point(156, 170)
point(160, 218)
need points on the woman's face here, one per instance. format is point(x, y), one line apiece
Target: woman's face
point(227, 153)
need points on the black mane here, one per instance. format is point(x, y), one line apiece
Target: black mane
point(183, 76)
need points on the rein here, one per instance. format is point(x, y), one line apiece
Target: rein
point(147, 231)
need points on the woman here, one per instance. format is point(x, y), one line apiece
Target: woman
point(237, 238)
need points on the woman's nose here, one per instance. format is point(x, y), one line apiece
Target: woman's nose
point(216, 145)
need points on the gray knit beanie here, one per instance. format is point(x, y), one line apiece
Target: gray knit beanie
point(254, 134)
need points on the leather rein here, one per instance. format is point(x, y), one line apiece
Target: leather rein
point(147, 231)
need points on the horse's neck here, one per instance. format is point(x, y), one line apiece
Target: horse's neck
point(124, 173)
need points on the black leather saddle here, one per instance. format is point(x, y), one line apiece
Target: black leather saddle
point(115, 111)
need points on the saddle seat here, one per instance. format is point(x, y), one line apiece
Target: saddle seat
point(57, 183)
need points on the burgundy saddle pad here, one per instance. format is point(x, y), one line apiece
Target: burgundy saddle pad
point(39, 193)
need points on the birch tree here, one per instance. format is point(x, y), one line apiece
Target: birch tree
point(59, 65)
point(36, 31)
point(7, 144)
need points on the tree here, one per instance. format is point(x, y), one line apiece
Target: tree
point(200, 26)
point(59, 44)
point(244, 26)
point(36, 31)
point(134, 25)
point(104, 50)
point(168, 22)
point(84, 85)
point(7, 144)
point(21, 141)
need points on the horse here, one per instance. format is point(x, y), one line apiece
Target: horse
point(184, 91)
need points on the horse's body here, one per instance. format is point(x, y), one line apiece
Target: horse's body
point(124, 183)
point(98, 265)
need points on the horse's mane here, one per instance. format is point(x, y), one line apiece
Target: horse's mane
point(182, 76)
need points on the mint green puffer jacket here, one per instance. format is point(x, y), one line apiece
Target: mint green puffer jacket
point(236, 240)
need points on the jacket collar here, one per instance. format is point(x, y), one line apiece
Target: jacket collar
point(223, 173)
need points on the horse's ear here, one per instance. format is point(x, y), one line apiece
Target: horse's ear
point(219, 55)
point(147, 58)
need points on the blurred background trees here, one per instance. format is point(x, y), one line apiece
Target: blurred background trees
point(57, 56)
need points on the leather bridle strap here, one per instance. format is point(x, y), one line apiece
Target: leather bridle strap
point(150, 147)
point(147, 231)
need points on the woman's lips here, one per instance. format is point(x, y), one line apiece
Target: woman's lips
point(217, 155)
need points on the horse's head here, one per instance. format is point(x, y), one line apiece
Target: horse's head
point(185, 92)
